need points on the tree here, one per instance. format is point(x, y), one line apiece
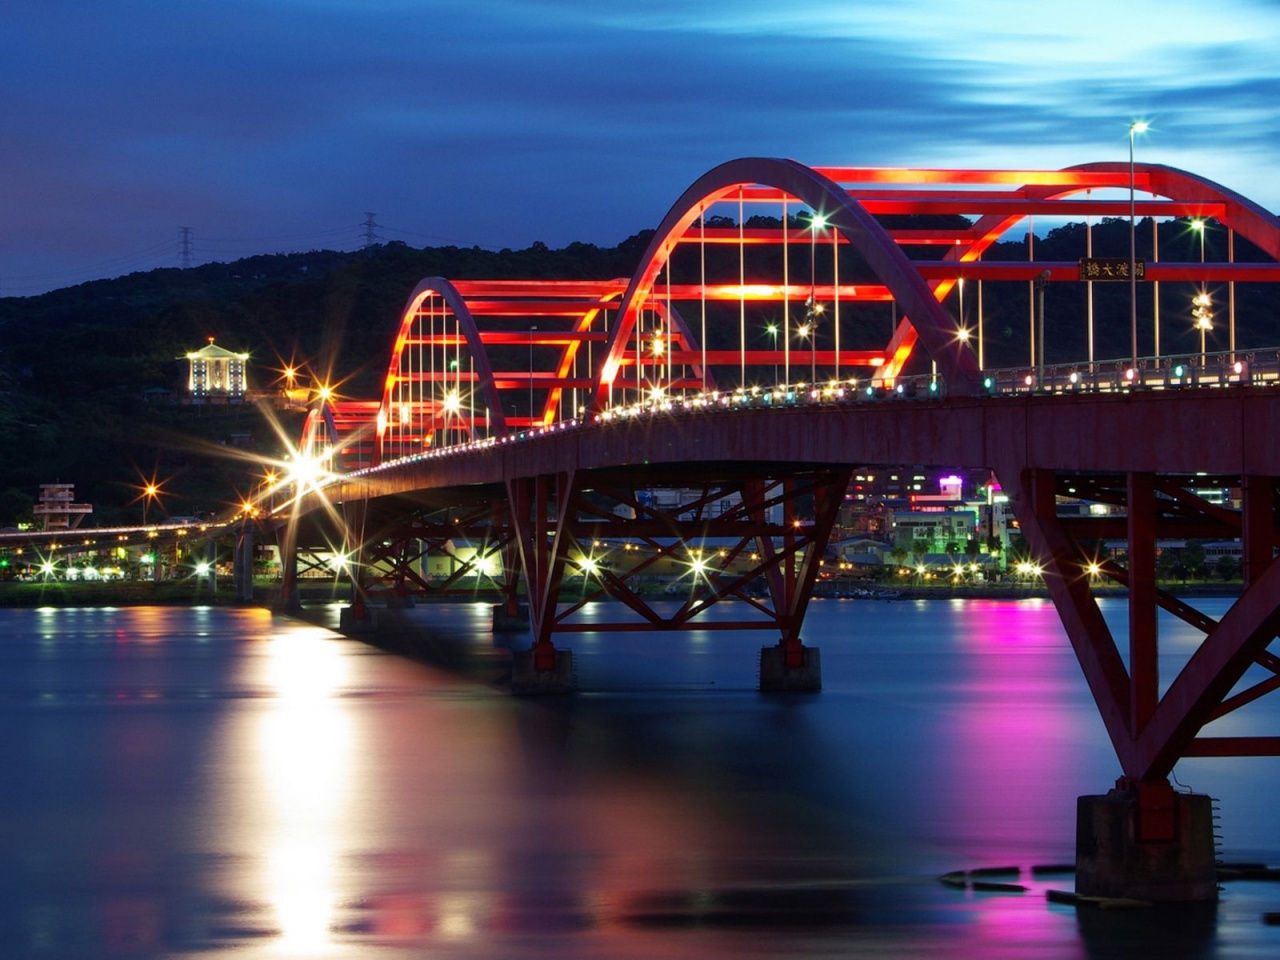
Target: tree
point(1227, 567)
point(15, 506)
point(1193, 558)
point(1171, 564)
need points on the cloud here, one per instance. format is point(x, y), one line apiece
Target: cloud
point(503, 121)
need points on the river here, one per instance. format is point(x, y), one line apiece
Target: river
point(214, 782)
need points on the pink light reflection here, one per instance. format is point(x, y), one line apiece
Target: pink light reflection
point(1023, 742)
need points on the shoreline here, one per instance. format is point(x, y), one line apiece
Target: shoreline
point(134, 593)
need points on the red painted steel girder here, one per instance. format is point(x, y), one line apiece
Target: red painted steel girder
point(1030, 442)
point(505, 301)
point(849, 196)
point(964, 204)
point(1139, 448)
point(956, 362)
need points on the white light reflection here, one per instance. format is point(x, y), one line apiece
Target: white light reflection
point(305, 742)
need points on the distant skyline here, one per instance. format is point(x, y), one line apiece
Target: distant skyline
point(271, 126)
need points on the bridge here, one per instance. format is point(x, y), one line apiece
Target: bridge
point(788, 325)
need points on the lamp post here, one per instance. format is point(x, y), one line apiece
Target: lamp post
point(1201, 311)
point(772, 330)
point(149, 493)
point(809, 330)
point(816, 223)
point(1201, 303)
point(1042, 281)
point(1138, 126)
point(805, 332)
point(532, 330)
point(1198, 225)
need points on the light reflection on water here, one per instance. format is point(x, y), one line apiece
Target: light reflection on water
point(207, 781)
point(304, 759)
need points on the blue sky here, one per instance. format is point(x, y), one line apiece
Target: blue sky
point(275, 125)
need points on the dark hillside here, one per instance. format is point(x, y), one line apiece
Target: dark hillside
point(90, 375)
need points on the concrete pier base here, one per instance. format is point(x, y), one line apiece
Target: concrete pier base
point(777, 677)
point(287, 607)
point(357, 621)
point(506, 622)
point(1146, 843)
point(525, 681)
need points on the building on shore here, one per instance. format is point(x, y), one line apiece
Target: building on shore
point(58, 507)
point(216, 375)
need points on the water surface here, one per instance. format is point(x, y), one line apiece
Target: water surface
point(209, 782)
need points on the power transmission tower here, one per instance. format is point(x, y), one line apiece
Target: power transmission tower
point(186, 247)
point(371, 237)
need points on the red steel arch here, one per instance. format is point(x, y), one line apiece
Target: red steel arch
point(845, 215)
point(503, 355)
point(406, 420)
point(850, 199)
point(470, 331)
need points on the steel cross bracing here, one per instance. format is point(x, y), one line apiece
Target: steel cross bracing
point(727, 550)
point(1153, 724)
point(547, 409)
point(395, 548)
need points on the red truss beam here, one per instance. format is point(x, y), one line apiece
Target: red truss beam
point(850, 199)
point(555, 326)
point(395, 555)
point(746, 547)
point(1080, 178)
point(578, 289)
point(1150, 731)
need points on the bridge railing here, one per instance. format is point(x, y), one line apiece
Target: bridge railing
point(1226, 368)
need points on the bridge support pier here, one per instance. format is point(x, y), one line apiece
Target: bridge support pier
point(510, 618)
point(790, 668)
point(537, 672)
point(1143, 841)
point(357, 618)
point(288, 601)
point(242, 563)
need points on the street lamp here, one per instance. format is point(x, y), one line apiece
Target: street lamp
point(805, 332)
point(1041, 282)
point(772, 330)
point(1198, 225)
point(1138, 126)
point(812, 308)
point(1202, 313)
point(816, 222)
point(149, 493)
point(809, 330)
point(532, 330)
point(1201, 303)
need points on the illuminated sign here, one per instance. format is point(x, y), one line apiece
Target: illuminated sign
point(1111, 268)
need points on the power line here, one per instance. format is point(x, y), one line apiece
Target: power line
point(186, 247)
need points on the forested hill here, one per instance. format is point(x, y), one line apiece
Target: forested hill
point(83, 369)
